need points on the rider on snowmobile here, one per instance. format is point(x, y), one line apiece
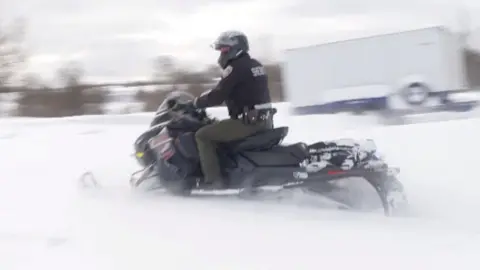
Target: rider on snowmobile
point(244, 89)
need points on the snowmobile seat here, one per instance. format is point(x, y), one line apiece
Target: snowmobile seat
point(279, 155)
point(259, 141)
point(299, 150)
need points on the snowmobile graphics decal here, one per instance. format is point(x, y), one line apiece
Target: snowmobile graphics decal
point(300, 175)
point(330, 149)
point(163, 144)
point(316, 166)
point(293, 184)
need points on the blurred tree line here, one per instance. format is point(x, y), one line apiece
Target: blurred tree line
point(75, 96)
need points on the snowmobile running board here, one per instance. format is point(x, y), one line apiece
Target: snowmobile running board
point(251, 187)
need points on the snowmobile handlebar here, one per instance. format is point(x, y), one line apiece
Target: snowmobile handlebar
point(187, 108)
point(175, 105)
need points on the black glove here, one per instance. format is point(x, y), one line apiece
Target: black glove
point(189, 105)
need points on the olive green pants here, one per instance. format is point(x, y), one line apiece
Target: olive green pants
point(222, 131)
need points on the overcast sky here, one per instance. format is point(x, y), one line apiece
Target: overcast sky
point(117, 39)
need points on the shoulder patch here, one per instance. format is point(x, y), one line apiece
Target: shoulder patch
point(227, 71)
point(258, 71)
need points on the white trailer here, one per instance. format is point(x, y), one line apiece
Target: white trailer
point(398, 71)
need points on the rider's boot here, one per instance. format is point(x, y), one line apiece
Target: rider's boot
point(219, 184)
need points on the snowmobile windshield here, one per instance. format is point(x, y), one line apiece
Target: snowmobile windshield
point(179, 96)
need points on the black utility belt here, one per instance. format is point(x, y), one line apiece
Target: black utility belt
point(254, 116)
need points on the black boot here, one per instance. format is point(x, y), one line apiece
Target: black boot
point(215, 184)
point(219, 184)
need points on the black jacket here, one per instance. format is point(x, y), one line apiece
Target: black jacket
point(244, 84)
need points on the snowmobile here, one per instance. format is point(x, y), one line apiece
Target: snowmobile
point(168, 155)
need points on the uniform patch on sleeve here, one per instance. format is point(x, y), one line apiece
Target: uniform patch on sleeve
point(227, 71)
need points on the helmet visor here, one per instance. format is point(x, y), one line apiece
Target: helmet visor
point(223, 43)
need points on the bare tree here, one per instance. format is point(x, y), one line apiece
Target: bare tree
point(190, 77)
point(70, 74)
point(12, 54)
point(32, 81)
point(213, 71)
point(151, 100)
point(163, 66)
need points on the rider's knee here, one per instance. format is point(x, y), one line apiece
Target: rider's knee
point(201, 134)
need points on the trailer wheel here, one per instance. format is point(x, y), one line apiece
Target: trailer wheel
point(415, 94)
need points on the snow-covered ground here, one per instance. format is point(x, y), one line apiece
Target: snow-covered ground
point(46, 222)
